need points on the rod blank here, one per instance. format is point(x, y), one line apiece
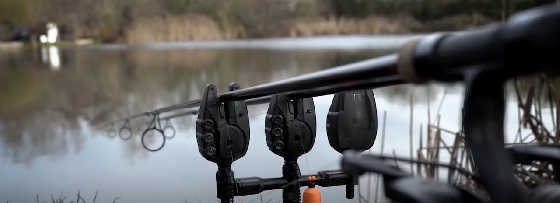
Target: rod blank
point(378, 68)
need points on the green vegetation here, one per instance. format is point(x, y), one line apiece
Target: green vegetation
point(110, 20)
point(76, 199)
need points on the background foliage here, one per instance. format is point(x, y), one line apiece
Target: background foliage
point(108, 20)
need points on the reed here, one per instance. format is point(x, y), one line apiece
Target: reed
point(200, 27)
point(189, 27)
point(63, 199)
point(378, 197)
point(538, 102)
point(538, 113)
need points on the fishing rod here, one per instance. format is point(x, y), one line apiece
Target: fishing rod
point(305, 93)
point(402, 186)
point(182, 114)
point(188, 104)
point(254, 101)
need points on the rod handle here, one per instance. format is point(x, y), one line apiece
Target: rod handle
point(526, 44)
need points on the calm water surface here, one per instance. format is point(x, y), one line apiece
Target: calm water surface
point(55, 100)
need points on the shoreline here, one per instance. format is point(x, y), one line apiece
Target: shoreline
point(11, 45)
point(326, 42)
point(322, 42)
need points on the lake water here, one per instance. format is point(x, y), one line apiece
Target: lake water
point(55, 100)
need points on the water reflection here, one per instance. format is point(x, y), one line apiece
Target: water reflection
point(50, 54)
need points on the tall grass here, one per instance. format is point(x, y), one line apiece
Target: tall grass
point(345, 26)
point(77, 199)
point(190, 27)
point(198, 27)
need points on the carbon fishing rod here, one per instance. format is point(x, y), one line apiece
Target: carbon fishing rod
point(182, 114)
point(360, 84)
point(190, 112)
point(188, 104)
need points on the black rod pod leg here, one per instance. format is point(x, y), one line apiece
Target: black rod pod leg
point(290, 132)
point(352, 125)
point(527, 153)
point(222, 134)
point(401, 186)
point(483, 121)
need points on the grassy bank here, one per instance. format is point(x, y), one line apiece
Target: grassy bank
point(191, 27)
point(198, 27)
point(142, 21)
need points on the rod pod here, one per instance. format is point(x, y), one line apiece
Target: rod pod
point(222, 134)
point(290, 132)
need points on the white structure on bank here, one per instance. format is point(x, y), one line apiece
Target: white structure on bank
point(52, 34)
point(50, 54)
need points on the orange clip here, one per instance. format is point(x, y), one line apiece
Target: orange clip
point(312, 194)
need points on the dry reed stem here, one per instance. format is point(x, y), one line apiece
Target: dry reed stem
point(419, 154)
point(377, 180)
point(453, 159)
point(410, 130)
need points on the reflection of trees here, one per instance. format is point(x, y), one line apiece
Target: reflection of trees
point(43, 134)
point(43, 112)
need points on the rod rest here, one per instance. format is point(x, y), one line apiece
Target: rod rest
point(256, 185)
point(400, 185)
point(416, 190)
